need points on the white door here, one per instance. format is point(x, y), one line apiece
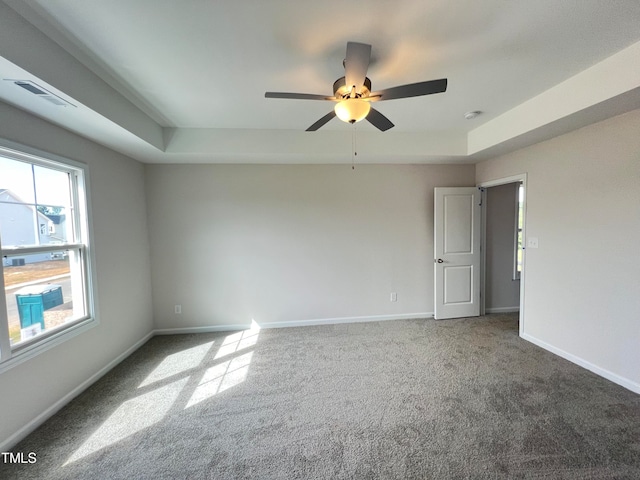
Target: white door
point(457, 252)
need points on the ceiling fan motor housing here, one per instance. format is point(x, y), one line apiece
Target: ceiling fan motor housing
point(342, 90)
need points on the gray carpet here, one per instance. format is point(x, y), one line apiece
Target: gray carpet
point(410, 399)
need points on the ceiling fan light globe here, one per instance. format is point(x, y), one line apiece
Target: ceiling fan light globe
point(352, 110)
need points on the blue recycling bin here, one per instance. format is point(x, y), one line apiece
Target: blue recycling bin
point(34, 300)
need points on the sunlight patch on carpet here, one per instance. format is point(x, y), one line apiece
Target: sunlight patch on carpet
point(220, 378)
point(177, 363)
point(230, 373)
point(239, 341)
point(131, 417)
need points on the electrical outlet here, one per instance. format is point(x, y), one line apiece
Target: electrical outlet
point(532, 242)
point(178, 309)
point(394, 297)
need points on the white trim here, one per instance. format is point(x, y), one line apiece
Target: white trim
point(623, 382)
point(34, 155)
point(483, 248)
point(337, 320)
point(207, 329)
point(502, 310)
point(49, 247)
point(503, 181)
point(5, 339)
point(292, 323)
point(521, 178)
point(53, 409)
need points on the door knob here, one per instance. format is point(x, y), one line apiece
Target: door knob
point(440, 260)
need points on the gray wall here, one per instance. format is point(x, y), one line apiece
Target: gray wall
point(581, 286)
point(502, 292)
point(122, 267)
point(287, 243)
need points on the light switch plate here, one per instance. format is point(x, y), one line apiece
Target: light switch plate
point(532, 242)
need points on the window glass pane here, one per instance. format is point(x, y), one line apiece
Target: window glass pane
point(519, 226)
point(54, 224)
point(52, 187)
point(19, 225)
point(520, 207)
point(33, 217)
point(16, 181)
point(519, 252)
point(24, 225)
point(40, 293)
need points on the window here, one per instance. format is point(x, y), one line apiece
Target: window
point(44, 241)
point(517, 257)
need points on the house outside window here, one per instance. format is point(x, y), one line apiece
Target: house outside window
point(44, 242)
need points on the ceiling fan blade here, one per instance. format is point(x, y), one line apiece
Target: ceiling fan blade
point(321, 122)
point(356, 64)
point(297, 96)
point(413, 89)
point(378, 120)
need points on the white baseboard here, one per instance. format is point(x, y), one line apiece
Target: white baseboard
point(502, 310)
point(623, 382)
point(292, 323)
point(207, 329)
point(334, 321)
point(13, 440)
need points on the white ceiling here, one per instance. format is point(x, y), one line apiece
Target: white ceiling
point(184, 81)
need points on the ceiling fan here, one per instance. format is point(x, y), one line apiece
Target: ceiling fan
point(353, 92)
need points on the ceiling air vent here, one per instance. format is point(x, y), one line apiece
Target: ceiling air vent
point(36, 89)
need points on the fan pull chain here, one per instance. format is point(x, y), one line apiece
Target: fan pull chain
point(353, 147)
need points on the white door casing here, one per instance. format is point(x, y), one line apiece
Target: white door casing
point(457, 220)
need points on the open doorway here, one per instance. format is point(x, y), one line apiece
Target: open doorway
point(502, 285)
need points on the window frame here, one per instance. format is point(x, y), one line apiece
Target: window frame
point(81, 217)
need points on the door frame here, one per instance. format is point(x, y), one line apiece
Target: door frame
point(519, 178)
